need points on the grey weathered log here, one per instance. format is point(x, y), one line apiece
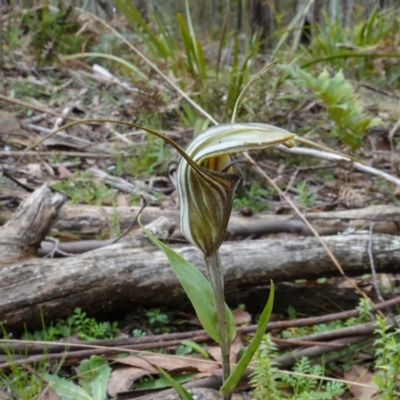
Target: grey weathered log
point(124, 277)
point(29, 225)
point(89, 221)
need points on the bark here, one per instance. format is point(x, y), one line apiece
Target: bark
point(29, 225)
point(133, 272)
point(121, 276)
point(88, 221)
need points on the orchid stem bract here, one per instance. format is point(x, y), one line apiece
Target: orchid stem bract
point(216, 278)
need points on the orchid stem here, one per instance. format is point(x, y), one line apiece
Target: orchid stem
point(216, 277)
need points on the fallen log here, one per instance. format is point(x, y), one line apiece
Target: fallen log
point(123, 277)
point(88, 221)
point(133, 272)
point(22, 234)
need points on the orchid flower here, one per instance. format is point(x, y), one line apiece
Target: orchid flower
point(206, 185)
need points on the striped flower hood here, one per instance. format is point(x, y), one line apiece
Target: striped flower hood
point(207, 185)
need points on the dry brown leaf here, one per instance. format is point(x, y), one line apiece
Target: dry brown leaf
point(236, 346)
point(358, 373)
point(48, 393)
point(122, 379)
point(139, 362)
point(122, 201)
point(173, 363)
point(241, 317)
point(64, 172)
point(214, 352)
point(9, 125)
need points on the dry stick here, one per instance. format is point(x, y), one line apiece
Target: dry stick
point(18, 153)
point(37, 108)
point(122, 343)
point(289, 359)
point(300, 342)
point(335, 157)
point(355, 330)
point(322, 319)
point(79, 354)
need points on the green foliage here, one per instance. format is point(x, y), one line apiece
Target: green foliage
point(255, 198)
point(311, 388)
point(268, 381)
point(306, 196)
point(365, 315)
point(237, 373)
point(183, 393)
point(23, 382)
point(161, 44)
point(138, 333)
point(83, 189)
point(93, 378)
point(188, 346)
point(239, 74)
point(198, 289)
point(78, 323)
point(263, 377)
point(158, 319)
point(54, 32)
point(387, 351)
point(145, 159)
point(343, 105)
point(336, 45)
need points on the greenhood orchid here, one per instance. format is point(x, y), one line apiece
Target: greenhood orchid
point(206, 186)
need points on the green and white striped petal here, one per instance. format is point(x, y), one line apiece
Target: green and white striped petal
point(206, 186)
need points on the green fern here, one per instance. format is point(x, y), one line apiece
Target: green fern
point(343, 105)
point(387, 350)
point(267, 379)
point(264, 376)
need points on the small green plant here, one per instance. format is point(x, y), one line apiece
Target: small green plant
point(90, 329)
point(158, 319)
point(343, 105)
point(255, 198)
point(84, 189)
point(264, 376)
point(305, 196)
point(93, 376)
point(78, 323)
point(387, 351)
point(54, 32)
point(23, 382)
point(268, 381)
point(138, 333)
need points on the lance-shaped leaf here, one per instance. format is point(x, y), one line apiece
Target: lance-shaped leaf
point(207, 191)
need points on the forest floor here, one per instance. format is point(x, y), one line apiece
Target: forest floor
point(104, 164)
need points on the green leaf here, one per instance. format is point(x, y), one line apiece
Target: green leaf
point(67, 390)
point(101, 374)
point(196, 286)
point(94, 375)
point(120, 60)
point(162, 383)
point(183, 393)
point(135, 19)
point(195, 346)
point(234, 378)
